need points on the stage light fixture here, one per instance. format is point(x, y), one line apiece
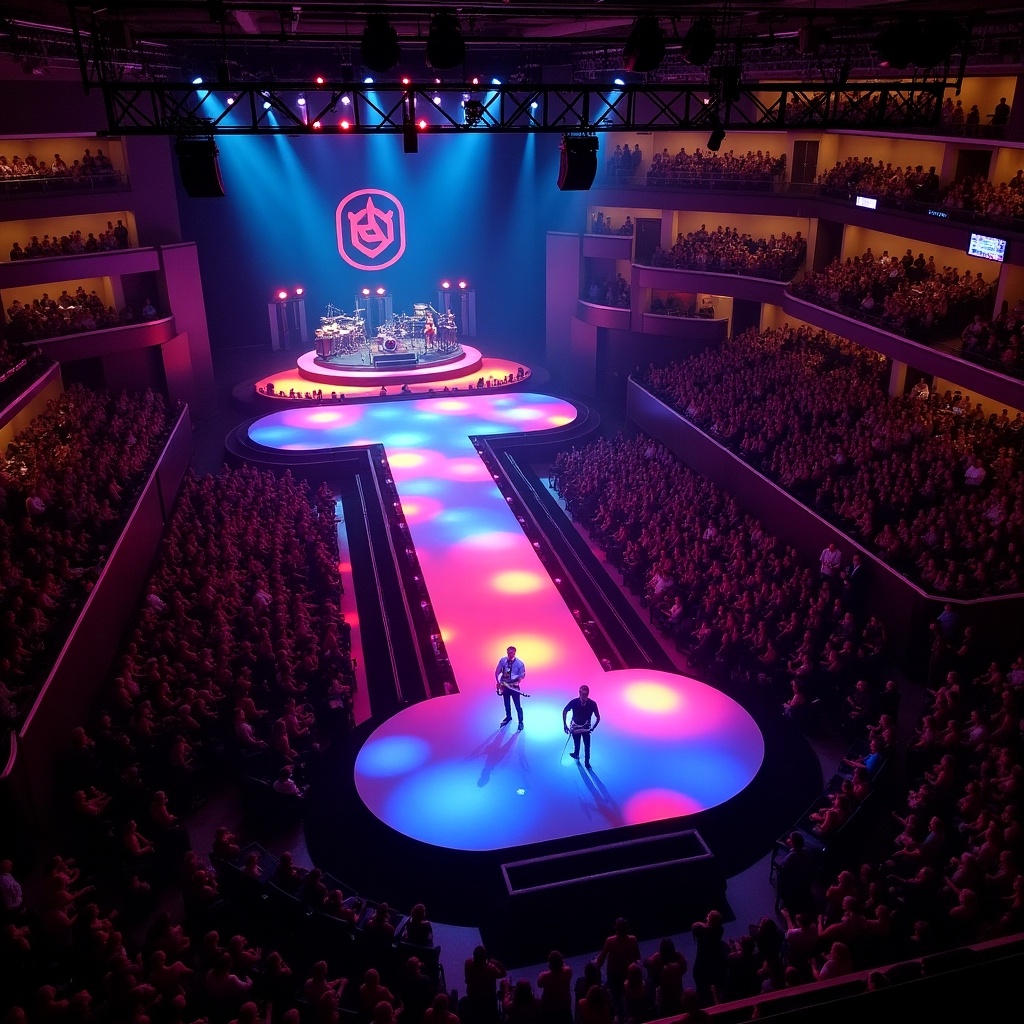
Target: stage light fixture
point(301, 101)
point(618, 81)
point(644, 49)
point(495, 81)
point(300, 290)
point(317, 125)
point(231, 101)
point(266, 104)
point(446, 286)
point(319, 79)
point(346, 101)
point(368, 80)
point(379, 47)
point(437, 100)
point(473, 111)
point(365, 293)
point(282, 295)
point(421, 124)
point(198, 80)
point(382, 291)
point(344, 124)
point(699, 42)
point(717, 136)
point(445, 46)
point(463, 285)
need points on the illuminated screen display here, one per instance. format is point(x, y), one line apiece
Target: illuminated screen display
point(987, 247)
point(867, 202)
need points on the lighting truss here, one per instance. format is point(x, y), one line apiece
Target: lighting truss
point(263, 108)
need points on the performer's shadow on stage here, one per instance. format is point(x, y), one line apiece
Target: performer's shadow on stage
point(494, 751)
point(603, 802)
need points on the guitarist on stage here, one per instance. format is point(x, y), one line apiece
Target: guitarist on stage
point(508, 674)
point(583, 709)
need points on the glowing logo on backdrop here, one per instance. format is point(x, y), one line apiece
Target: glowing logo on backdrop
point(371, 229)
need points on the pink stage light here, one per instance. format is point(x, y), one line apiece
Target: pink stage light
point(382, 291)
point(319, 79)
point(316, 124)
point(345, 124)
point(300, 290)
point(421, 123)
point(366, 293)
point(282, 294)
point(463, 285)
point(405, 81)
point(446, 285)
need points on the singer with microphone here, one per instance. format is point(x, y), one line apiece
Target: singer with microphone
point(583, 710)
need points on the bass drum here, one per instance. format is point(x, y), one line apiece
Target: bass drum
point(390, 344)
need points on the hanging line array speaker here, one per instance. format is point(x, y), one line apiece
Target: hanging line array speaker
point(199, 169)
point(578, 164)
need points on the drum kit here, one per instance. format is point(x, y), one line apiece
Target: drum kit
point(340, 334)
point(426, 330)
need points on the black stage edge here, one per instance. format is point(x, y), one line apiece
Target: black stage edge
point(468, 888)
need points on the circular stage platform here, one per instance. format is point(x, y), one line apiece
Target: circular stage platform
point(309, 380)
point(466, 363)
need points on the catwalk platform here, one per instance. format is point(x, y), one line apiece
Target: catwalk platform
point(441, 779)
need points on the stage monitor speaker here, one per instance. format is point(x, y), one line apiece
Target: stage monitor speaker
point(199, 169)
point(578, 165)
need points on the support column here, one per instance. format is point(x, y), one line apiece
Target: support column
point(897, 378)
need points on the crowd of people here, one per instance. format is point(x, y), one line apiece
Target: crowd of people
point(238, 655)
point(74, 243)
point(69, 313)
point(612, 291)
point(745, 607)
point(623, 164)
point(993, 200)
point(727, 250)
point(997, 340)
point(863, 174)
point(66, 483)
point(972, 193)
point(702, 168)
point(909, 295)
point(91, 170)
point(950, 870)
point(13, 356)
point(930, 484)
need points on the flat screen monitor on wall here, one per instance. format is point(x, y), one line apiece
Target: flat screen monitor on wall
point(987, 247)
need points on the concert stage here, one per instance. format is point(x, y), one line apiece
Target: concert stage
point(463, 372)
point(460, 795)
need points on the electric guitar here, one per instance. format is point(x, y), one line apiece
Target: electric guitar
point(505, 683)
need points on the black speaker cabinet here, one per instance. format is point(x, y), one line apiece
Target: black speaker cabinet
point(199, 169)
point(578, 165)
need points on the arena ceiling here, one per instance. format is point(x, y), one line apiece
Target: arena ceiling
point(532, 39)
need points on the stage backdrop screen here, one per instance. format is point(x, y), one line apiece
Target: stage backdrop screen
point(339, 213)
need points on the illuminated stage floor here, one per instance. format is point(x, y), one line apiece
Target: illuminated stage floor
point(441, 772)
